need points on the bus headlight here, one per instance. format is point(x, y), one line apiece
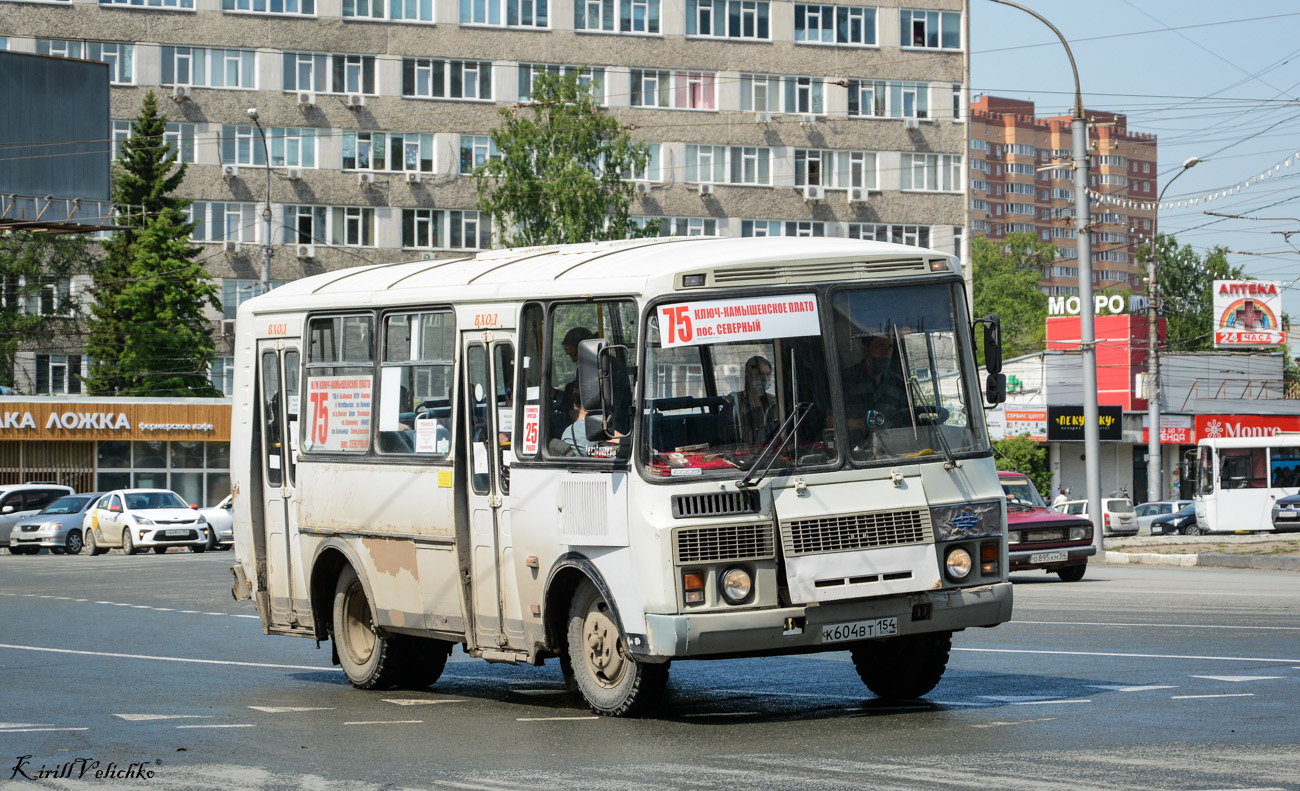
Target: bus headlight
point(958, 564)
point(736, 585)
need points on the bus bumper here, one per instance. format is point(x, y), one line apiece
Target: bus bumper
point(799, 629)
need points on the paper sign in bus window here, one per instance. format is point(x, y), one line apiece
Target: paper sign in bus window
point(731, 320)
point(339, 410)
point(432, 436)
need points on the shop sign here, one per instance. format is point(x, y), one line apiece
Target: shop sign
point(1066, 423)
point(1114, 304)
point(1174, 430)
point(1227, 426)
point(1007, 420)
point(1247, 314)
point(90, 421)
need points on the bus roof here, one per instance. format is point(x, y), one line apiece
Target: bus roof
point(620, 267)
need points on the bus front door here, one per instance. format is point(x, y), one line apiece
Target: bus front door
point(277, 379)
point(488, 427)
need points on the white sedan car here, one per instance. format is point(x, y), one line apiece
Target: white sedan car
point(221, 524)
point(140, 519)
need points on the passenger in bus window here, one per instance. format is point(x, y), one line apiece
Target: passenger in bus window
point(564, 397)
point(875, 395)
point(750, 415)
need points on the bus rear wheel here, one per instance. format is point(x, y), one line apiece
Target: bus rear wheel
point(422, 662)
point(368, 659)
point(613, 683)
point(903, 668)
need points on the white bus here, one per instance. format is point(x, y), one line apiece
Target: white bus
point(1238, 479)
point(618, 455)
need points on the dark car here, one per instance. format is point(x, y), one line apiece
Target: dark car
point(1040, 538)
point(1286, 513)
point(1181, 523)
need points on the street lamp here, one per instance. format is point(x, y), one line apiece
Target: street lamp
point(1155, 464)
point(266, 212)
point(1087, 324)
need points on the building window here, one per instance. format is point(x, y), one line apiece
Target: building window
point(58, 374)
point(291, 147)
point(397, 10)
point(236, 292)
point(222, 375)
point(218, 221)
point(827, 24)
point(429, 78)
point(683, 90)
point(750, 228)
point(804, 228)
point(468, 230)
point(728, 19)
point(638, 16)
point(882, 99)
point(209, 68)
point(835, 169)
point(387, 151)
point(186, 4)
point(518, 13)
point(929, 29)
point(179, 139)
point(592, 78)
point(119, 57)
point(308, 71)
point(438, 229)
point(931, 172)
point(915, 235)
point(344, 226)
point(296, 7)
point(475, 150)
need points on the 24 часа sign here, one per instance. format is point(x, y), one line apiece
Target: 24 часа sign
point(1065, 423)
point(1247, 314)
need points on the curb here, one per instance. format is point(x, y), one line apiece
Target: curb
point(1283, 563)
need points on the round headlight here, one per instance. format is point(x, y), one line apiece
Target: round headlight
point(736, 585)
point(958, 564)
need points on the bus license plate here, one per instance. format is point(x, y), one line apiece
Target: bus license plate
point(1049, 557)
point(859, 630)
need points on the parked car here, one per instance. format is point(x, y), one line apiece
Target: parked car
point(139, 519)
point(1117, 515)
point(1146, 512)
point(1040, 538)
point(221, 525)
point(19, 501)
point(1286, 513)
point(1182, 523)
point(57, 527)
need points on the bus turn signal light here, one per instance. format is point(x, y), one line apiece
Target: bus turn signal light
point(988, 559)
point(693, 585)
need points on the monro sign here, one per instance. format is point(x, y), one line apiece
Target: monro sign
point(1114, 304)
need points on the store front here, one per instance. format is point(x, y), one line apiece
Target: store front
point(102, 444)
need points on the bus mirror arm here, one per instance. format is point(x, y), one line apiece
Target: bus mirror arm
point(594, 388)
point(992, 342)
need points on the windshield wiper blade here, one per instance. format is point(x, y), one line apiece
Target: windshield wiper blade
point(796, 416)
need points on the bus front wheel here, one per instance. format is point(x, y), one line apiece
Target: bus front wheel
point(903, 668)
point(369, 660)
point(613, 683)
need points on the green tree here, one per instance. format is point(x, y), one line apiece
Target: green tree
point(1185, 284)
point(36, 302)
point(146, 334)
point(1004, 281)
point(558, 173)
point(1024, 455)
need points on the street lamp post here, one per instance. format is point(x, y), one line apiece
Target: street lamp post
point(266, 211)
point(1155, 464)
point(1087, 325)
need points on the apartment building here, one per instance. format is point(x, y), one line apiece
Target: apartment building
point(764, 117)
point(1021, 180)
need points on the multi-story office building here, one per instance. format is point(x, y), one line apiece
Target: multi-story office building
point(1021, 180)
point(764, 117)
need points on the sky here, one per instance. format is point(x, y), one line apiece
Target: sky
point(1218, 81)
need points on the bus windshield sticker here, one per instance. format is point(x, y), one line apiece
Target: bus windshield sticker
point(432, 436)
point(744, 319)
point(531, 426)
point(340, 412)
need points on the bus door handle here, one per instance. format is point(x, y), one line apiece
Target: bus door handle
point(494, 501)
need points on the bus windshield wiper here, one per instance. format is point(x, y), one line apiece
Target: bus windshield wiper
point(754, 476)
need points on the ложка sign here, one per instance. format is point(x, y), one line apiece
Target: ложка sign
point(1247, 314)
point(1066, 423)
point(85, 419)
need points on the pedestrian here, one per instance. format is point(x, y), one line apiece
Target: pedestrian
point(1061, 496)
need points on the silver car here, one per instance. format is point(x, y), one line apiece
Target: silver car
point(221, 524)
point(57, 527)
point(19, 501)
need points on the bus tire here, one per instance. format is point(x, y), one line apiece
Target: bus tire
point(368, 659)
point(422, 662)
point(613, 683)
point(903, 668)
point(1072, 573)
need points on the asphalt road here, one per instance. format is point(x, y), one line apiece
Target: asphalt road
point(1151, 678)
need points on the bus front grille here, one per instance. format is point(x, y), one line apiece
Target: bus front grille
point(723, 542)
point(848, 532)
point(715, 504)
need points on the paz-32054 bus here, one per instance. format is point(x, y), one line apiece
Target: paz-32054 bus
point(618, 455)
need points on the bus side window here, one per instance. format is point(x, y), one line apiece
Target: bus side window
point(570, 324)
point(415, 384)
point(530, 417)
point(503, 374)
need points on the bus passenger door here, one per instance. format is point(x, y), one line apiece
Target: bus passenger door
point(489, 367)
point(277, 378)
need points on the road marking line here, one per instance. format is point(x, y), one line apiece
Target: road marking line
point(165, 658)
point(165, 609)
point(385, 722)
point(1018, 722)
point(144, 717)
point(553, 719)
point(960, 703)
point(417, 701)
point(189, 612)
point(141, 606)
point(1149, 625)
point(287, 709)
point(5, 725)
point(1232, 695)
point(240, 725)
point(1287, 660)
point(1239, 679)
point(1043, 702)
point(1132, 689)
point(1017, 698)
point(241, 615)
point(39, 730)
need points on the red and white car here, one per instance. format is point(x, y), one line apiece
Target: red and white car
point(1041, 538)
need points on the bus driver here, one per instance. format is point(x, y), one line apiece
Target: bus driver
point(875, 394)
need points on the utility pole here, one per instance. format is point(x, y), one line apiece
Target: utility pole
point(1155, 460)
point(266, 211)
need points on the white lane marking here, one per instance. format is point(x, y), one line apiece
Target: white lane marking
point(1017, 722)
point(239, 725)
point(722, 714)
point(1132, 689)
point(141, 607)
point(1232, 695)
point(287, 709)
point(417, 701)
point(1272, 659)
point(1045, 702)
point(245, 616)
point(39, 730)
point(1018, 698)
point(553, 719)
point(959, 703)
point(145, 717)
point(1149, 625)
point(1239, 679)
point(385, 722)
point(25, 724)
point(189, 612)
point(164, 658)
point(165, 609)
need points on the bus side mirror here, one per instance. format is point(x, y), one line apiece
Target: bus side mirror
point(995, 388)
point(993, 346)
point(593, 374)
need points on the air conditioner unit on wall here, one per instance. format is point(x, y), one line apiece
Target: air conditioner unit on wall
point(428, 256)
point(808, 120)
point(306, 99)
point(814, 193)
point(857, 194)
point(231, 246)
point(355, 100)
point(365, 178)
point(230, 171)
point(306, 251)
point(643, 187)
point(911, 123)
point(182, 93)
point(763, 118)
point(412, 178)
point(706, 189)
point(227, 327)
point(293, 173)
